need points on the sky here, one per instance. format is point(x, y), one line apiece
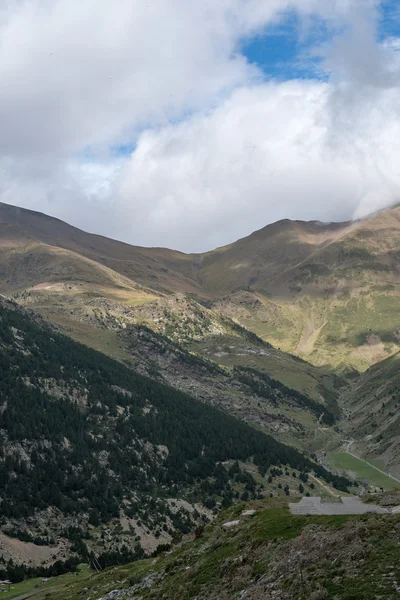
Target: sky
point(192, 124)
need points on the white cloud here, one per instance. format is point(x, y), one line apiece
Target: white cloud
point(265, 153)
point(76, 73)
point(219, 152)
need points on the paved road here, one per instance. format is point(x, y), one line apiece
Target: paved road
point(349, 505)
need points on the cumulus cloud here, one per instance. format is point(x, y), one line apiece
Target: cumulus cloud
point(218, 150)
point(265, 154)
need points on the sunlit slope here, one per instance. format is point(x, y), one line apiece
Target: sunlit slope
point(338, 305)
point(329, 293)
point(254, 261)
point(160, 269)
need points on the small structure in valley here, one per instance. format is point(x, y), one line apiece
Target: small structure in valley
point(5, 585)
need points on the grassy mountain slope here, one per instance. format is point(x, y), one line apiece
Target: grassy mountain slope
point(254, 261)
point(156, 268)
point(326, 292)
point(233, 350)
point(347, 292)
point(271, 555)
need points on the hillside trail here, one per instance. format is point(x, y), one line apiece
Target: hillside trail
point(347, 445)
point(326, 487)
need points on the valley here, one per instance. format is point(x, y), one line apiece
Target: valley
point(200, 300)
point(162, 388)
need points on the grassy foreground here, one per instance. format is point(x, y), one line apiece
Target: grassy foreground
point(40, 589)
point(344, 460)
point(272, 554)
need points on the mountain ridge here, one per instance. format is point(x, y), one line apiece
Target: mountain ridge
point(301, 277)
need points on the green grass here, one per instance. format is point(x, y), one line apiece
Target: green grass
point(25, 587)
point(343, 460)
point(279, 523)
point(220, 564)
point(35, 587)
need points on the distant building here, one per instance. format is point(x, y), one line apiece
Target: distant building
point(5, 585)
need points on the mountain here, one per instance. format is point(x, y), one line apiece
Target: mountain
point(96, 458)
point(325, 292)
point(43, 242)
point(200, 395)
point(247, 390)
point(307, 305)
point(373, 415)
point(92, 288)
point(328, 293)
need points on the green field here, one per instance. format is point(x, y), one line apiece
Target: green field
point(343, 460)
point(35, 587)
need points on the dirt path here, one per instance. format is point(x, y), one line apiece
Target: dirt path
point(28, 595)
point(326, 487)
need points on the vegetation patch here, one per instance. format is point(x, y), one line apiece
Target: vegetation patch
point(349, 463)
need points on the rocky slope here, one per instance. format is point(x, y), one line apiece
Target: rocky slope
point(95, 457)
point(373, 414)
point(247, 393)
point(267, 554)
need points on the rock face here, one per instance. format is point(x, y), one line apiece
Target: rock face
point(231, 524)
point(246, 514)
point(146, 583)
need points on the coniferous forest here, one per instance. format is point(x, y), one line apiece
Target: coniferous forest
point(85, 434)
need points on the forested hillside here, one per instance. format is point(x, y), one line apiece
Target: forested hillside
point(247, 393)
point(89, 440)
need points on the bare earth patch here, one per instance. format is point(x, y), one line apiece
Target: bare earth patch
point(28, 553)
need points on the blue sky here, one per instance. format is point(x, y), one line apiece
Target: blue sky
point(289, 50)
point(389, 25)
